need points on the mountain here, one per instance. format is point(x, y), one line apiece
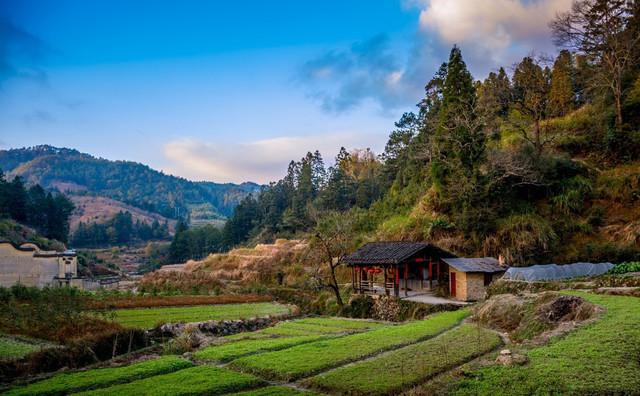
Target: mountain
point(131, 183)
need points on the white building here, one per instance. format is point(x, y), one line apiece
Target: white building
point(28, 265)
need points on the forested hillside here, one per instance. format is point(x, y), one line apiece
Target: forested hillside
point(132, 183)
point(538, 162)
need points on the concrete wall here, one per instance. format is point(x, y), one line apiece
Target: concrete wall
point(30, 268)
point(20, 266)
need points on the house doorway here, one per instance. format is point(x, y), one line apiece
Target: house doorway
point(452, 280)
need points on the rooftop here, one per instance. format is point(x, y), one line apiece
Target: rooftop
point(476, 264)
point(392, 252)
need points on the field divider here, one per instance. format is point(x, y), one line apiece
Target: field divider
point(305, 367)
point(346, 379)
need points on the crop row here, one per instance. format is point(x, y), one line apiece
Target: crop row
point(233, 350)
point(393, 371)
point(199, 380)
point(310, 358)
point(66, 383)
point(150, 317)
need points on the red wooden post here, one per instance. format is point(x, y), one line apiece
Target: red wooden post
point(430, 274)
point(386, 291)
point(406, 275)
point(396, 283)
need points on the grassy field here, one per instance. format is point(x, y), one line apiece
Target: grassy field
point(391, 372)
point(62, 384)
point(233, 350)
point(603, 358)
point(199, 380)
point(274, 391)
point(310, 326)
point(146, 318)
point(307, 359)
point(13, 348)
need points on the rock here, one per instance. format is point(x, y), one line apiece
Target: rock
point(504, 357)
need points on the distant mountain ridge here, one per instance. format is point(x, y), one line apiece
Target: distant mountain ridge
point(135, 184)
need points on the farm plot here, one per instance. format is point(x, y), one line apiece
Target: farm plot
point(310, 358)
point(233, 350)
point(15, 348)
point(65, 383)
point(146, 318)
point(598, 359)
point(199, 380)
point(274, 391)
point(281, 336)
point(310, 326)
point(393, 371)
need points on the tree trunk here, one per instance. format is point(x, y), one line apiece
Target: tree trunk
point(335, 286)
point(618, 100)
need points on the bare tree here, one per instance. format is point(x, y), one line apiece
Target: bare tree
point(600, 30)
point(332, 240)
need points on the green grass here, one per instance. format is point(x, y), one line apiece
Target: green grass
point(13, 348)
point(397, 370)
point(311, 358)
point(66, 383)
point(297, 328)
point(343, 323)
point(233, 350)
point(199, 380)
point(309, 326)
point(150, 317)
point(274, 391)
point(601, 358)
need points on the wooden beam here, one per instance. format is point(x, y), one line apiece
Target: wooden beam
point(406, 275)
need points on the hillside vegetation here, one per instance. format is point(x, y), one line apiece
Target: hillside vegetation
point(132, 183)
point(539, 165)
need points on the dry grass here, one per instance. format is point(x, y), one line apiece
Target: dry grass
point(262, 264)
point(172, 301)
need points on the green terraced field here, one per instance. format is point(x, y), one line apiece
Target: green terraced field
point(62, 384)
point(600, 359)
point(233, 350)
point(393, 371)
point(13, 348)
point(274, 391)
point(343, 323)
point(308, 359)
point(310, 326)
point(147, 318)
point(200, 380)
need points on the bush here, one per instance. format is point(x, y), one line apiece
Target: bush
point(633, 266)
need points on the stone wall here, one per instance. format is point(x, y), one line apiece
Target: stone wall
point(475, 286)
point(469, 285)
point(215, 327)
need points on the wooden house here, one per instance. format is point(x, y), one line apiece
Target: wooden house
point(401, 269)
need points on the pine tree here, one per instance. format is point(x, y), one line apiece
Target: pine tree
point(561, 93)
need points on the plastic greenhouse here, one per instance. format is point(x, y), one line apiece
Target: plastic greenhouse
point(554, 271)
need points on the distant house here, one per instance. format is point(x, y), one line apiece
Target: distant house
point(28, 265)
point(400, 268)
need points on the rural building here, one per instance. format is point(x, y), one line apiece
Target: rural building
point(28, 265)
point(469, 277)
point(402, 269)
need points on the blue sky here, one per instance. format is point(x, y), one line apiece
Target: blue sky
point(231, 91)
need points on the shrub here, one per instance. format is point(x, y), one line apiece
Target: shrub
point(633, 266)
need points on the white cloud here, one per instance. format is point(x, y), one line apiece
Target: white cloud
point(500, 30)
point(260, 161)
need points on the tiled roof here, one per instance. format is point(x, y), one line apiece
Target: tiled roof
point(389, 252)
point(477, 264)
